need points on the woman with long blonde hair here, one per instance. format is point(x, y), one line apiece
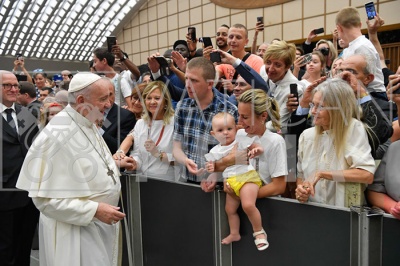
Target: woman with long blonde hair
point(152, 135)
point(334, 157)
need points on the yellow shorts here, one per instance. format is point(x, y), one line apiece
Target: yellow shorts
point(237, 182)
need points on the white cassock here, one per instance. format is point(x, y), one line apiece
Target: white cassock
point(66, 175)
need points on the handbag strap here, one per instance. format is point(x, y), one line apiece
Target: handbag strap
point(236, 73)
point(161, 134)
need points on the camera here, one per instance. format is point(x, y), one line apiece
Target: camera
point(164, 65)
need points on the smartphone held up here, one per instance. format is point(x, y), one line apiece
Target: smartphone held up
point(111, 41)
point(294, 91)
point(260, 21)
point(192, 33)
point(370, 9)
point(319, 31)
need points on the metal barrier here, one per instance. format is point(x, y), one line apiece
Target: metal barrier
point(178, 224)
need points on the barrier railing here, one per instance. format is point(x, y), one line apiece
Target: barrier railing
point(178, 224)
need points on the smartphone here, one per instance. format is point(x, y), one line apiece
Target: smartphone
point(307, 58)
point(206, 40)
point(19, 57)
point(111, 40)
point(192, 33)
point(370, 9)
point(260, 20)
point(215, 57)
point(293, 90)
point(318, 31)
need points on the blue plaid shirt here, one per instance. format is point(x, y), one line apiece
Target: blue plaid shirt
point(193, 125)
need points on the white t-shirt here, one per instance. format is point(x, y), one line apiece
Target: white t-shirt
point(122, 89)
point(362, 45)
point(219, 151)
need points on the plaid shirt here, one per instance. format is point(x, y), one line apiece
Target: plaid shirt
point(193, 125)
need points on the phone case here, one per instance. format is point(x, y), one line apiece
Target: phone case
point(111, 40)
point(370, 9)
point(307, 58)
point(215, 57)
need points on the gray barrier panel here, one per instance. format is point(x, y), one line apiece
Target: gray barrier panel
point(177, 225)
point(299, 234)
point(391, 242)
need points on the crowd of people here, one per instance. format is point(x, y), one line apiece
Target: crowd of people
point(187, 119)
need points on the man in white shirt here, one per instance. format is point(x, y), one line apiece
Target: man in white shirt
point(348, 24)
point(103, 61)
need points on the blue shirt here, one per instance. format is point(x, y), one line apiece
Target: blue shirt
point(193, 125)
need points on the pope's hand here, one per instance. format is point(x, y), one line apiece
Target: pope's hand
point(108, 214)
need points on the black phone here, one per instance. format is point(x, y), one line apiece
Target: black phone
point(192, 33)
point(206, 40)
point(307, 58)
point(164, 64)
point(293, 90)
point(370, 9)
point(111, 40)
point(215, 57)
point(318, 31)
point(260, 20)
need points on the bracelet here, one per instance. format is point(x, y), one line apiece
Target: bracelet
point(120, 151)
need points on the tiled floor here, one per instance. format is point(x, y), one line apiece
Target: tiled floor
point(35, 258)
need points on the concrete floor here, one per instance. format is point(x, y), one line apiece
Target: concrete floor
point(35, 258)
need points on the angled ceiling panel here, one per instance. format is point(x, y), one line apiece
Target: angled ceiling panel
point(63, 29)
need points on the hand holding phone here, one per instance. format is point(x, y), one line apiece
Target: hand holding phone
point(370, 9)
point(111, 41)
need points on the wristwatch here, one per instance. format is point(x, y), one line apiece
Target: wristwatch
point(123, 58)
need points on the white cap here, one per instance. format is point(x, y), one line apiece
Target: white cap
point(82, 80)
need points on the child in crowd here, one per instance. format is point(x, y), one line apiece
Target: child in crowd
point(243, 179)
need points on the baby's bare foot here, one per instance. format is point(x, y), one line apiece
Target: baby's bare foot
point(231, 238)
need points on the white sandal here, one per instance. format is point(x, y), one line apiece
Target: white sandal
point(259, 241)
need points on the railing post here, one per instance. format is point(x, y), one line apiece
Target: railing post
point(223, 253)
point(366, 236)
point(134, 218)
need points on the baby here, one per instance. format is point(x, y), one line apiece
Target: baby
point(243, 179)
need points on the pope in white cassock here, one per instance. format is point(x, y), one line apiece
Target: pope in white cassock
point(74, 182)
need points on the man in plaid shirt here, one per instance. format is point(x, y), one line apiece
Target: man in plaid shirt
point(192, 138)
